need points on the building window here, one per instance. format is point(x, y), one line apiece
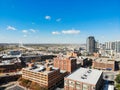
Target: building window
point(77, 85)
point(93, 87)
point(71, 83)
point(66, 83)
point(85, 87)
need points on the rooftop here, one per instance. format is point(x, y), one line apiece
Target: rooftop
point(104, 60)
point(41, 68)
point(10, 62)
point(84, 75)
point(65, 58)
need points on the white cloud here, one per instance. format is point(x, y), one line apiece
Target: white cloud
point(25, 31)
point(11, 28)
point(32, 30)
point(24, 35)
point(58, 20)
point(47, 17)
point(71, 31)
point(55, 33)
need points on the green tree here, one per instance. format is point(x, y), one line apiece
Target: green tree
point(117, 86)
point(118, 79)
point(25, 82)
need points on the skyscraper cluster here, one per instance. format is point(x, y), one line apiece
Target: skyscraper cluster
point(113, 46)
point(93, 46)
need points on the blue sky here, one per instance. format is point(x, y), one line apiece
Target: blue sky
point(59, 21)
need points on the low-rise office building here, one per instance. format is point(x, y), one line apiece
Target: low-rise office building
point(84, 79)
point(46, 76)
point(11, 65)
point(104, 64)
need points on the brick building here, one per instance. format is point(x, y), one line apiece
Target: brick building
point(84, 79)
point(104, 64)
point(12, 65)
point(63, 63)
point(46, 76)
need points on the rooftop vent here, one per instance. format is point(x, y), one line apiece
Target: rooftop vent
point(84, 77)
point(42, 69)
point(34, 67)
point(89, 71)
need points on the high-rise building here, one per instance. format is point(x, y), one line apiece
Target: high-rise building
point(90, 45)
point(110, 45)
point(117, 46)
point(113, 46)
point(97, 44)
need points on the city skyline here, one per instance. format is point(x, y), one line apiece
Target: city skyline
point(50, 21)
